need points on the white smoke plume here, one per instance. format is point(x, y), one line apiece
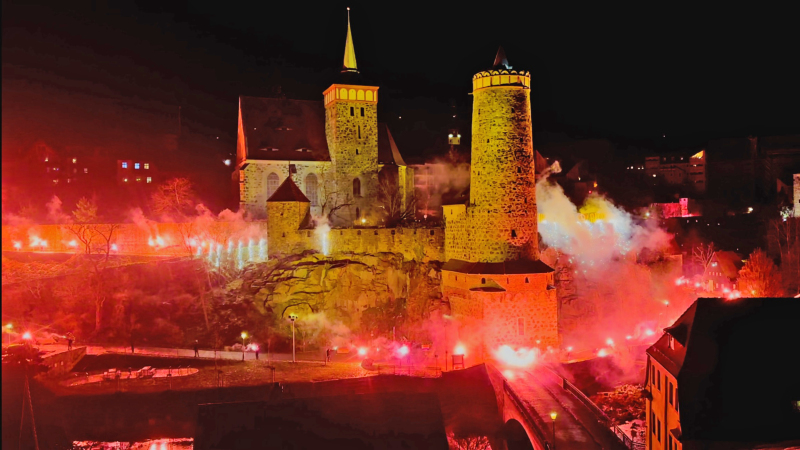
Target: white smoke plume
point(54, 212)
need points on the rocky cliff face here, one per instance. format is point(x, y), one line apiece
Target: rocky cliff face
point(343, 287)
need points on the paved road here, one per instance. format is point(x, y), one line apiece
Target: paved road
point(576, 425)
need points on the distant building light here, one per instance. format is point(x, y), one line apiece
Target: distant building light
point(125, 180)
point(138, 179)
point(654, 175)
point(74, 160)
point(450, 135)
point(46, 159)
point(146, 166)
point(85, 170)
point(124, 165)
point(149, 179)
point(227, 162)
point(136, 165)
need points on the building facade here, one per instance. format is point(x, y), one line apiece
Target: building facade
point(335, 151)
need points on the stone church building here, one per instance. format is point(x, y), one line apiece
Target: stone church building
point(335, 151)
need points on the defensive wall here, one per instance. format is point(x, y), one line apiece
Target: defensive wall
point(196, 238)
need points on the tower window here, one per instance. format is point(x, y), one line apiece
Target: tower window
point(521, 326)
point(483, 280)
point(358, 214)
point(124, 165)
point(513, 233)
point(135, 165)
point(359, 131)
point(526, 280)
point(352, 111)
point(362, 112)
point(519, 169)
point(433, 232)
point(357, 187)
point(146, 166)
point(487, 141)
point(356, 151)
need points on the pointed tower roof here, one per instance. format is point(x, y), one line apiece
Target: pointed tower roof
point(288, 192)
point(500, 61)
point(349, 51)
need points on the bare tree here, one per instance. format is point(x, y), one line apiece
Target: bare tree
point(390, 197)
point(174, 198)
point(702, 255)
point(469, 442)
point(760, 277)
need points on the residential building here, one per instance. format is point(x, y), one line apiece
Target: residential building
point(724, 376)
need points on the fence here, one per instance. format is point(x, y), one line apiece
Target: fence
point(409, 370)
point(630, 443)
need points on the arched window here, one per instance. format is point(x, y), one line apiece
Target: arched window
point(311, 188)
point(356, 187)
point(272, 184)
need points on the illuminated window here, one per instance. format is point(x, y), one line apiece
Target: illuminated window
point(146, 166)
point(74, 160)
point(272, 184)
point(149, 179)
point(521, 326)
point(138, 179)
point(85, 170)
point(124, 180)
point(124, 165)
point(136, 166)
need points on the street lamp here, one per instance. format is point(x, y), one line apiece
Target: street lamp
point(293, 317)
point(244, 336)
point(553, 416)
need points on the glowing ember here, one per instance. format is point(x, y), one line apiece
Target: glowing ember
point(362, 351)
point(460, 349)
point(520, 358)
point(602, 353)
point(402, 351)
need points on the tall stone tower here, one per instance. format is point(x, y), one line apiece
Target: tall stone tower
point(499, 291)
point(502, 179)
point(351, 128)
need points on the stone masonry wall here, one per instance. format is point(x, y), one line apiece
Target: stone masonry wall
point(253, 182)
point(354, 154)
point(502, 209)
point(458, 241)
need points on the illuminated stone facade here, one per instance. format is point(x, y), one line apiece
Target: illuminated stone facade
point(498, 290)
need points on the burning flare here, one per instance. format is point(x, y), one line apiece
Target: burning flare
point(522, 357)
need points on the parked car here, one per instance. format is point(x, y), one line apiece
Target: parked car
point(111, 374)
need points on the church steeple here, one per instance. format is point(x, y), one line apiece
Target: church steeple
point(349, 51)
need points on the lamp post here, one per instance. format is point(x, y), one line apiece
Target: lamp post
point(8, 328)
point(244, 336)
point(293, 317)
point(553, 416)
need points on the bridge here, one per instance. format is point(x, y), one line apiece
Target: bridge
point(530, 396)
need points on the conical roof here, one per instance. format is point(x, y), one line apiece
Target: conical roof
point(349, 64)
point(500, 61)
point(288, 192)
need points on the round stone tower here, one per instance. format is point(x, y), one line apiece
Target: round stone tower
point(503, 182)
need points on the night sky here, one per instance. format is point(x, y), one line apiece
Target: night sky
point(625, 74)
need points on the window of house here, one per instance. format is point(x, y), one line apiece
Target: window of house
point(362, 112)
point(136, 166)
point(357, 187)
point(658, 430)
point(671, 394)
point(669, 440)
point(352, 111)
point(652, 422)
point(146, 166)
point(311, 189)
point(272, 184)
point(138, 179)
point(671, 342)
point(658, 379)
point(124, 165)
point(149, 179)
point(521, 326)
point(85, 170)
